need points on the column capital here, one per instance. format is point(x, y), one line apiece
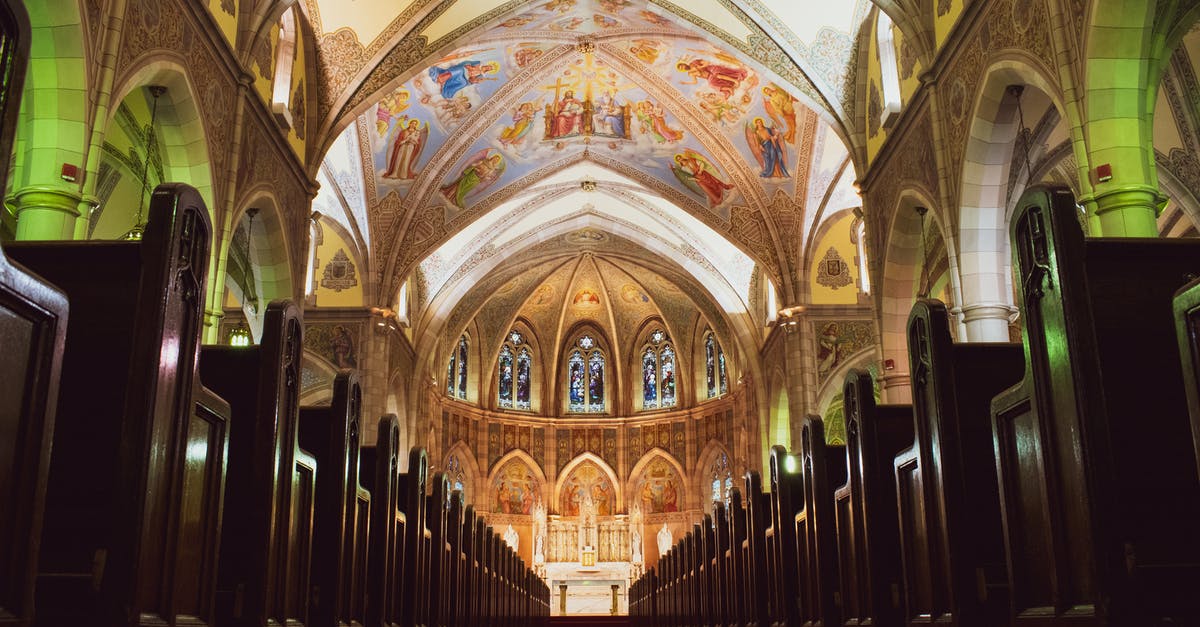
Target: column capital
point(986, 311)
point(36, 197)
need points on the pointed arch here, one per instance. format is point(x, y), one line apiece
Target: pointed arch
point(576, 462)
point(711, 453)
point(660, 487)
point(510, 491)
point(468, 466)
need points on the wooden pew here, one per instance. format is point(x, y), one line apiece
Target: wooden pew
point(786, 500)
point(434, 584)
point(867, 528)
point(385, 561)
point(1094, 445)
point(133, 499)
point(947, 494)
point(341, 524)
point(722, 581)
point(461, 528)
point(414, 599)
point(756, 590)
point(822, 467)
point(1187, 329)
point(33, 326)
point(270, 492)
point(479, 573)
point(739, 595)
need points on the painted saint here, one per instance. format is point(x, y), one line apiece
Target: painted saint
point(391, 107)
point(522, 121)
point(769, 149)
point(603, 21)
point(610, 116)
point(701, 177)
point(652, 120)
point(479, 173)
point(407, 144)
point(454, 78)
point(568, 116)
point(725, 79)
point(647, 50)
point(781, 106)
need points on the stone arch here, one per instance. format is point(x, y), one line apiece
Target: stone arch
point(583, 458)
point(702, 482)
point(902, 267)
point(472, 474)
point(319, 372)
point(984, 259)
point(638, 483)
point(259, 250)
point(514, 457)
point(778, 428)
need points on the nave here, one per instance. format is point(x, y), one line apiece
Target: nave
point(202, 425)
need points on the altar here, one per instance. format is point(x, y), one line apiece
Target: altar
point(577, 590)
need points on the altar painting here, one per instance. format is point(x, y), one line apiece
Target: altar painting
point(659, 489)
point(587, 479)
point(515, 490)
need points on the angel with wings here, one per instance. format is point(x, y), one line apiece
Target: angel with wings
point(480, 171)
point(700, 176)
point(766, 142)
point(407, 145)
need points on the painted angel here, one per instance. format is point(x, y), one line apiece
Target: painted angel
point(781, 106)
point(479, 173)
point(769, 149)
point(697, 174)
point(522, 122)
point(390, 107)
point(405, 152)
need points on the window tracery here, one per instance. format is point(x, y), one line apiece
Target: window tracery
point(585, 377)
point(456, 371)
point(715, 376)
point(658, 372)
point(515, 367)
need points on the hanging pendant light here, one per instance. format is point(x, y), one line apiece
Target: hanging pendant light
point(139, 226)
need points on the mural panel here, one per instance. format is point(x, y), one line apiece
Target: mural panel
point(515, 490)
point(659, 490)
point(587, 479)
point(837, 341)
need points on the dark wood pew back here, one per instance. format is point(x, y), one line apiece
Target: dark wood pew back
point(821, 468)
point(416, 541)
point(262, 385)
point(436, 585)
point(340, 528)
point(786, 500)
point(867, 527)
point(385, 562)
point(1187, 329)
point(758, 583)
point(1094, 445)
point(133, 500)
point(947, 491)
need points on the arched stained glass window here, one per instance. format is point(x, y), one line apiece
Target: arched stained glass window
point(722, 481)
point(714, 366)
point(514, 369)
point(585, 377)
point(456, 371)
point(455, 476)
point(658, 372)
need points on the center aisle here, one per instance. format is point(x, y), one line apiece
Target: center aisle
point(589, 621)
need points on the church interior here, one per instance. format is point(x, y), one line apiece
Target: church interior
point(581, 312)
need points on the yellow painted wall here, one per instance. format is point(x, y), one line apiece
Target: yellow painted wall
point(837, 237)
point(298, 77)
point(351, 297)
point(944, 23)
point(874, 81)
point(908, 86)
point(262, 84)
point(226, 20)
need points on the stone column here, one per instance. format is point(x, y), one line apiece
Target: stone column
point(1127, 211)
point(46, 213)
point(986, 322)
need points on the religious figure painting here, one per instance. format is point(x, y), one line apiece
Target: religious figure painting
point(837, 341)
point(515, 489)
point(458, 84)
point(781, 106)
point(726, 77)
point(586, 299)
point(700, 176)
point(453, 78)
point(479, 172)
point(408, 142)
point(522, 121)
point(565, 117)
point(658, 490)
point(587, 480)
point(652, 121)
point(767, 144)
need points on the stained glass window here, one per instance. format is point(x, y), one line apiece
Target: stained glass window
point(462, 367)
point(512, 389)
point(585, 377)
point(658, 372)
point(722, 480)
point(456, 371)
point(714, 364)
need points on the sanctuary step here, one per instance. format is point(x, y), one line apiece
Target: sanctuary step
point(589, 621)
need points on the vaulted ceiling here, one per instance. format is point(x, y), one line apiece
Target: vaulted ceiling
point(464, 133)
